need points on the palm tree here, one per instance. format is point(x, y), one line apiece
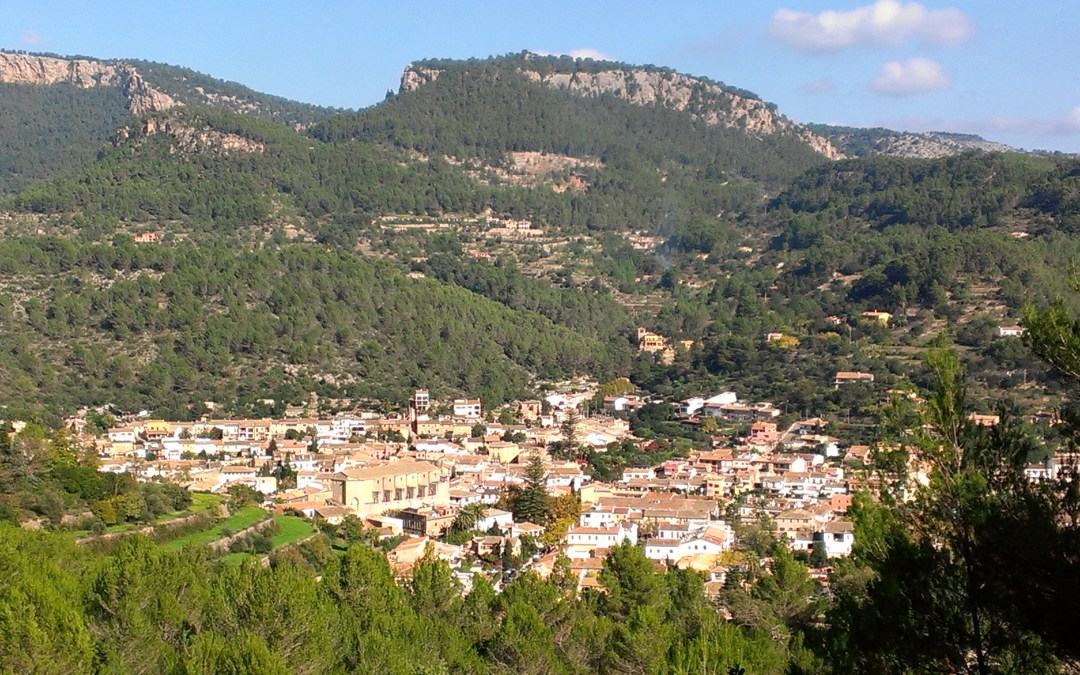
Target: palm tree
point(469, 516)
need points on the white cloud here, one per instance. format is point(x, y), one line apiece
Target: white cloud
point(583, 53)
point(591, 54)
point(30, 38)
point(886, 22)
point(913, 76)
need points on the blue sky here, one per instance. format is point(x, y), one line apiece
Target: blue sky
point(1007, 71)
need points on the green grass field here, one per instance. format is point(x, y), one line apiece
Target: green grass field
point(291, 529)
point(245, 517)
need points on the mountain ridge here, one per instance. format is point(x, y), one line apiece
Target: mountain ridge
point(153, 87)
point(714, 104)
point(39, 70)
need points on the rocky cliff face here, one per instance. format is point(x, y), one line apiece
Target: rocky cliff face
point(709, 102)
point(194, 140)
point(189, 138)
point(415, 77)
point(85, 74)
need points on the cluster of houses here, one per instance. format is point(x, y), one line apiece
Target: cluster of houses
point(411, 474)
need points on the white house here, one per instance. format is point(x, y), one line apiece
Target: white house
point(726, 398)
point(467, 407)
point(647, 473)
point(711, 539)
point(603, 517)
point(602, 537)
point(838, 537)
point(345, 427)
point(504, 520)
point(689, 406)
point(122, 435)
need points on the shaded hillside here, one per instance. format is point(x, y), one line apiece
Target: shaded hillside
point(56, 113)
point(165, 328)
point(46, 131)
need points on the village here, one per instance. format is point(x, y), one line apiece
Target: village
point(446, 478)
point(412, 476)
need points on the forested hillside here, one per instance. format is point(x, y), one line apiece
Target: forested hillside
point(168, 327)
point(915, 230)
point(636, 214)
point(46, 131)
point(191, 87)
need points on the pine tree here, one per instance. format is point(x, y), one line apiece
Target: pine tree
point(532, 503)
point(569, 426)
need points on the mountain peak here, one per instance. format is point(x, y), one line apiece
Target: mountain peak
point(713, 103)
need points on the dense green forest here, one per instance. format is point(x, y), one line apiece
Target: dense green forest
point(46, 131)
point(487, 109)
point(916, 231)
point(168, 326)
point(349, 182)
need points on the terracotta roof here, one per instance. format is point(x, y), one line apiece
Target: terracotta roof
point(384, 470)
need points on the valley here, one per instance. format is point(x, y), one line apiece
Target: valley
point(540, 364)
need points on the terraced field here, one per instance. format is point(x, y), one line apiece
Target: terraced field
point(243, 518)
point(290, 530)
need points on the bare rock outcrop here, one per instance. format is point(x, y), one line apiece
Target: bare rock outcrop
point(415, 77)
point(709, 102)
point(85, 74)
point(934, 145)
point(142, 98)
point(191, 139)
point(82, 73)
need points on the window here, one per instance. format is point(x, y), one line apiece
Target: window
point(398, 494)
point(411, 492)
point(375, 497)
point(423, 490)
